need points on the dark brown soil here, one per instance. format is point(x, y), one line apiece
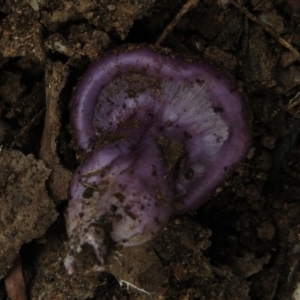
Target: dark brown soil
point(244, 243)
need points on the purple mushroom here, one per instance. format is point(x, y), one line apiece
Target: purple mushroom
point(159, 133)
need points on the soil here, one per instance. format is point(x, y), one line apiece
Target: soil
point(244, 243)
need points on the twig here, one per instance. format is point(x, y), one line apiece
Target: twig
point(267, 28)
point(185, 8)
point(128, 284)
point(56, 77)
point(295, 101)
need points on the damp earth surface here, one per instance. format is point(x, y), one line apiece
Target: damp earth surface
point(244, 243)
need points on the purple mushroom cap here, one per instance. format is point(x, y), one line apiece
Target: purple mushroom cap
point(159, 133)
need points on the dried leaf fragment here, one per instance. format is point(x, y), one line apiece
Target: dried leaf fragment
point(14, 282)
